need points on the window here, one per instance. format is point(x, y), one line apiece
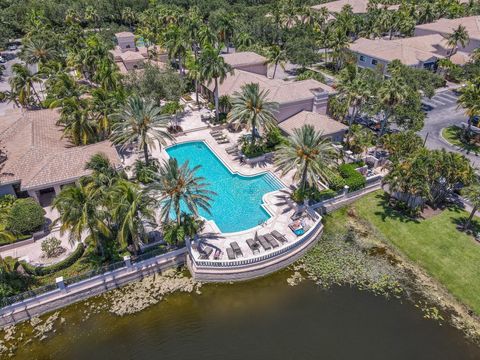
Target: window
point(374, 62)
point(362, 58)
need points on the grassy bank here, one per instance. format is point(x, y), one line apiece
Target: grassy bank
point(453, 135)
point(449, 256)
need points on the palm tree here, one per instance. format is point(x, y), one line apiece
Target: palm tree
point(308, 153)
point(104, 175)
point(37, 50)
point(80, 213)
point(472, 193)
point(129, 16)
point(242, 40)
point(194, 73)
point(141, 122)
point(22, 84)
point(178, 186)
point(276, 56)
point(251, 107)
point(214, 68)
point(91, 15)
point(392, 93)
point(459, 36)
point(469, 99)
point(177, 44)
point(75, 116)
point(131, 207)
point(355, 92)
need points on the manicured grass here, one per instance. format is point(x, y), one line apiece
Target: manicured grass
point(453, 135)
point(447, 254)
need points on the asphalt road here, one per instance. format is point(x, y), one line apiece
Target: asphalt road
point(442, 112)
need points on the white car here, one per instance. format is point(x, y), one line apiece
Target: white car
point(2, 60)
point(12, 47)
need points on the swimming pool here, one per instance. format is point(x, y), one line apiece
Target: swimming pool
point(237, 203)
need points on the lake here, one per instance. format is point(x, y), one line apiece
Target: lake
point(261, 319)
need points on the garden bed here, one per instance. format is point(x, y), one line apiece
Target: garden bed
point(453, 135)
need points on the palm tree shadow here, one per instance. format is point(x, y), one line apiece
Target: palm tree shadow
point(284, 201)
point(389, 211)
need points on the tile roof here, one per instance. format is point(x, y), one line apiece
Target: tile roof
point(38, 154)
point(358, 6)
point(446, 26)
point(132, 55)
point(124, 34)
point(244, 58)
point(279, 90)
point(410, 51)
point(323, 123)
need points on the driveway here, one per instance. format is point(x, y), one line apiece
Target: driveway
point(442, 112)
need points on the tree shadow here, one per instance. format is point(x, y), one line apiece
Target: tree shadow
point(389, 211)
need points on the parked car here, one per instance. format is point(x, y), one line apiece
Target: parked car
point(13, 47)
point(2, 60)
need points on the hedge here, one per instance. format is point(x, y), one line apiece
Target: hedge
point(353, 179)
point(61, 265)
point(336, 182)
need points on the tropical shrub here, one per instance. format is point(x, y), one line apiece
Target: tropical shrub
point(26, 217)
point(336, 182)
point(310, 74)
point(6, 201)
point(51, 247)
point(145, 173)
point(353, 179)
point(253, 150)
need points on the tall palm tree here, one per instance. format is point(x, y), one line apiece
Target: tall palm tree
point(472, 193)
point(214, 68)
point(177, 43)
point(194, 73)
point(37, 50)
point(141, 122)
point(276, 56)
point(178, 186)
point(131, 206)
point(392, 93)
point(459, 36)
point(104, 175)
point(308, 153)
point(128, 16)
point(22, 84)
point(469, 99)
point(252, 107)
point(91, 15)
point(355, 92)
point(79, 214)
point(75, 116)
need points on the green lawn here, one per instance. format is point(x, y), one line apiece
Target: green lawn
point(451, 257)
point(453, 135)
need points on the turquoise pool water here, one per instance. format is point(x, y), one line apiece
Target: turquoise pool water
point(237, 203)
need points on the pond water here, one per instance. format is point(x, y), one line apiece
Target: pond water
point(261, 319)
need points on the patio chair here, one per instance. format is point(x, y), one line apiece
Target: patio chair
point(261, 240)
point(206, 252)
point(217, 254)
point(253, 245)
point(236, 248)
point(219, 134)
point(232, 152)
point(224, 141)
point(230, 254)
point(233, 147)
point(271, 240)
point(279, 236)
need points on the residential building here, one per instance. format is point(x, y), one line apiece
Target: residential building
point(323, 123)
point(128, 56)
point(37, 160)
point(358, 6)
point(293, 97)
point(445, 27)
point(419, 52)
point(247, 61)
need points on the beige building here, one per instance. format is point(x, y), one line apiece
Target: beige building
point(419, 52)
point(358, 6)
point(129, 57)
point(293, 97)
point(38, 160)
point(329, 127)
point(247, 61)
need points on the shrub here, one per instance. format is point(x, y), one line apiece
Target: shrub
point(251, 151)
point(353, 179)
point(26, 217)
point(61, 265)
point(51, 247)
point(323, 195)
point(273, 138)
point(336, 182)
point(6, 201)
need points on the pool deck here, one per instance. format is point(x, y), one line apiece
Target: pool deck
point(277, 203)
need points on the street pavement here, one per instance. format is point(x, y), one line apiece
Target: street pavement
point(442, 112)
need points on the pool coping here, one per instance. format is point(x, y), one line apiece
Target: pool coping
point(264, 203)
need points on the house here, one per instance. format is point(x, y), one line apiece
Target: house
point(37, 160)
point(445, 27)
point(358, 6)
point(419, 52)
point(247, 61)
point(128, 56)
point(329, 127)
point(292, 97)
